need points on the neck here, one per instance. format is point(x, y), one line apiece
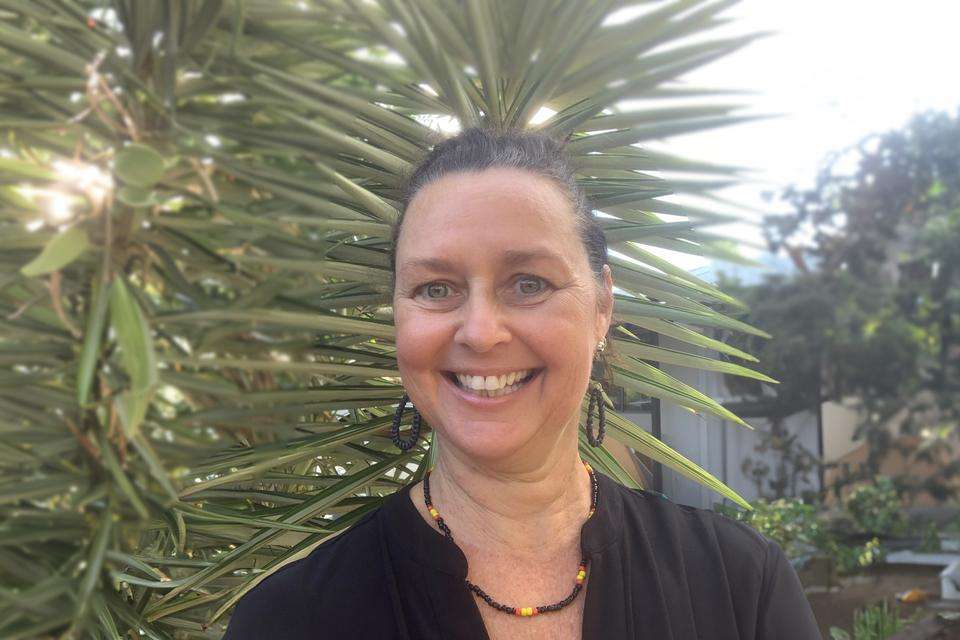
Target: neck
point(513, 508)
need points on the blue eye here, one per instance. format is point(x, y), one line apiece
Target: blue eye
point(434, 286)
point(436, 290)
point(526, 286)
point(530, 285)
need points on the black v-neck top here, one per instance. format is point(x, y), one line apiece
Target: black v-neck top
point(657, 570)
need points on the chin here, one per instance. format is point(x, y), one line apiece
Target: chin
point(484, 440)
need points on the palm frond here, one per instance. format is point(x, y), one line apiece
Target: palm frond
point(197, 367)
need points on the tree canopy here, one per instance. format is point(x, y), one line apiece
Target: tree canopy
point(874, 310)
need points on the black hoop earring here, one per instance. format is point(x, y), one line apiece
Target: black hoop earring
point(405, 445)
point(596, 398)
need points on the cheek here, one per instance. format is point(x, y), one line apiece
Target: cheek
point(421, 339)
point(563, 340)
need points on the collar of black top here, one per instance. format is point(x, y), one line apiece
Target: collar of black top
point(409, 534)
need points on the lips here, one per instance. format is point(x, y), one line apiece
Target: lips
point(492, 386)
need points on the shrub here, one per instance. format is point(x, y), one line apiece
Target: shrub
point(789, 522)
point(800, 531)
point(876, 508)
point(876, 622)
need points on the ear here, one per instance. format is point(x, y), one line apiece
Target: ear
point(605, 303)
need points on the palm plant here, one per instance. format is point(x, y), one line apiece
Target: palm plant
point(196, 363)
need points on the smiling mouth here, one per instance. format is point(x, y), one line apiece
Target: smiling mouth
point(483, 393)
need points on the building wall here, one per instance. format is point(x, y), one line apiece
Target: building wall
point(839, 423)
point(717, 445)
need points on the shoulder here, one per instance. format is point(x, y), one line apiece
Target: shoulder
point(334, 579)
point(720, 562)
point(692, 530)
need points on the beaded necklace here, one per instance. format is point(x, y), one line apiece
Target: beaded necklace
point(521, 611)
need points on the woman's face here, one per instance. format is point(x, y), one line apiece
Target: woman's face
point(497, 312)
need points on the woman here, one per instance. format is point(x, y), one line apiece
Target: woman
point(503, 298)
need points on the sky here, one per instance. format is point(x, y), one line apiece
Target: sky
point(834, 71)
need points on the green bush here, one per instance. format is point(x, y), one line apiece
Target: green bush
point(852, 558)
point(931, 539)
point(792, 524)
point(876, 508)
point(800, 530)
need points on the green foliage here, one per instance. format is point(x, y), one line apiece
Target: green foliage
point(792, 524)
point(953, 526)
point(931, 538)
point(875, 622)
point(872, 312)
point(877, 508)
point(850, 559)
point(801, 531)
point(63, 248)
point(201, 390)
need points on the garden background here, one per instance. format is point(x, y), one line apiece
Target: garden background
point(197, 374)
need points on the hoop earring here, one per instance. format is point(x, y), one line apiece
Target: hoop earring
point(596, 398)
point(405, 445)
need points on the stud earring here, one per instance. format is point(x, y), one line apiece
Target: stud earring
point(405, 445)
point(596, 398)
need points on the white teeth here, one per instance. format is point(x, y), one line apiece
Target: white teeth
point(493, 386)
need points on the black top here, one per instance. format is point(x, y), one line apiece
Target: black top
point(657, 570)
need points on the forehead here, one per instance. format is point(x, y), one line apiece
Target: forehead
point(503, 207)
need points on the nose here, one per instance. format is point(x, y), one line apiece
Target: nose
point(482, 324)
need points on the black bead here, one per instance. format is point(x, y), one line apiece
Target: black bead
point(405, 445)
point(596, 400)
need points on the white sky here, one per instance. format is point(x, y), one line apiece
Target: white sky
point(837, 70)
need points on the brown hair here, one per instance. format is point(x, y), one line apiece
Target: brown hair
point(476, 149)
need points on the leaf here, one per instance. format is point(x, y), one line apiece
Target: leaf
point(13, 168)
point(97, 551)
point(136, 196)
point(131, 407)
point(139, 165)
point(61, 250)
point(136, 354)
point(646, 444)
point(155, 466)
point(93, 334)
point(126, 487)
point(637, 349)
point(658, 384)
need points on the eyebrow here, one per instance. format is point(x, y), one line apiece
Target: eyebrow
point(511, 257)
